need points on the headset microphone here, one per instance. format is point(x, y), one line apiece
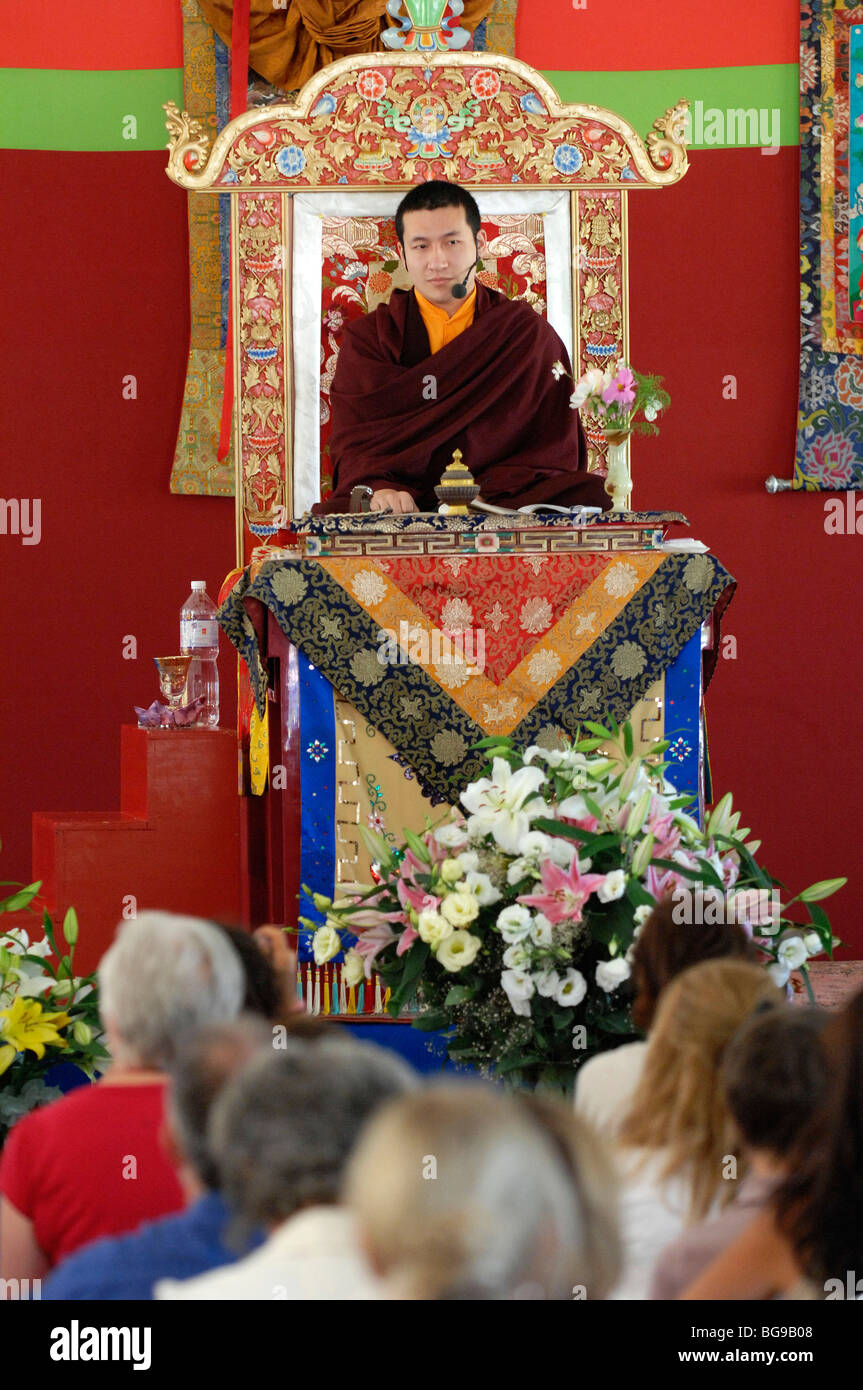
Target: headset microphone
point(459, 291)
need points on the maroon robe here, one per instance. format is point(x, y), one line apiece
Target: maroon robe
point(399, 411)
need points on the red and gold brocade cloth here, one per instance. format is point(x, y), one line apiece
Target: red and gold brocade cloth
point(537, 643)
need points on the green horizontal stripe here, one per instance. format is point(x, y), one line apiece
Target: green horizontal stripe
point(641, 97)
point(75, 110)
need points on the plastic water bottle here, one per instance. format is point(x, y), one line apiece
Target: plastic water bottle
point(199, 638)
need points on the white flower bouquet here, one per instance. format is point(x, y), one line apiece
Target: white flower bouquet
point(511, 923)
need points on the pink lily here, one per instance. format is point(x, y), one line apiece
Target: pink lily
point(565, 892)
point(370, 917)
point(415, 898)
point(371, 942)
point(406, 940)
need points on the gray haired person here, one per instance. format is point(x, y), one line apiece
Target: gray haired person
point(282, 1134)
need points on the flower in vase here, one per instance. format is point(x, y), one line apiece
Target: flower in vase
point(621, 389)
point(565, 893)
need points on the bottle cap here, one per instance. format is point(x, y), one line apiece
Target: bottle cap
point(198, 585)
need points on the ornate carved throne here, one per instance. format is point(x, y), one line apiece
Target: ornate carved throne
point(315, 180)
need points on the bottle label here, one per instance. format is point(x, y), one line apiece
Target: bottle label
point(198, 632)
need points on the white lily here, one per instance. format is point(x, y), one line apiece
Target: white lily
point(503, 805)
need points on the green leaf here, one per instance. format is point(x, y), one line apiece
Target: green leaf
point(493, 741)
point(459, 994)
point(21, 898)
point(628, 740)
point(598, 729)
point(414, 960)
point(431, 1021)
point(501, 1068)
point(706, 874)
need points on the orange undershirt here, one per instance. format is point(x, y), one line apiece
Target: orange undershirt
point(439, 326)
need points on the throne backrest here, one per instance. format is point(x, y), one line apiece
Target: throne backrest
point(337, 159)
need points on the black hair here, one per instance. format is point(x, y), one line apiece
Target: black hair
point(434, 194)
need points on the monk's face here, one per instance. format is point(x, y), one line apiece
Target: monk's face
point(438, 250)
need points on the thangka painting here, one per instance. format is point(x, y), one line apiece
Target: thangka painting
point(361, 269)
point(830, 417)
point(206, 86)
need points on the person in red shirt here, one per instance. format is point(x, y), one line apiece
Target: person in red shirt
point(91, 1164)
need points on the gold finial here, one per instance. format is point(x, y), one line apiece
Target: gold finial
point(456, 487)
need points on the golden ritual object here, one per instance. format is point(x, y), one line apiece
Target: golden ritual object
point(173, 674)
point(456, 487)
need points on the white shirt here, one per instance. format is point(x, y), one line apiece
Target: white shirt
point(605, 1085)
point(653, 1212)
point(313, 1255)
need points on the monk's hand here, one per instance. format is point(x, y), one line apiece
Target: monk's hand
point(388, 499)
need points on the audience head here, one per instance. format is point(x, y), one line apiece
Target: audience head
point(665, 947)
point(820, 1206)
point(165, 975)
point(205, 1061)
point(283, 1128)
point(775, 1073)
point(263, 994)
point(679, 1105)
point(460, 1194)
point(591, 1168)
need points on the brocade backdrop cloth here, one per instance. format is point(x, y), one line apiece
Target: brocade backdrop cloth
point(206, 79)
point(565, 638)
point(830, 415)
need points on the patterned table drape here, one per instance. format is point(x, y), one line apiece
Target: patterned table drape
point(566, 637)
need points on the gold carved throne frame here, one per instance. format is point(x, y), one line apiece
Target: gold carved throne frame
point(356, 136)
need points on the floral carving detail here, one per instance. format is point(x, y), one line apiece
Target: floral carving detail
point(485, 84)
point(371, 84)
point(290, 161)
point(368, 586)
point(567, 159)
point(629, 660)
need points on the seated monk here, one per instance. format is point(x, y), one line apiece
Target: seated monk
point(452, 365)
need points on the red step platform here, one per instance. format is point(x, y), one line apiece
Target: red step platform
point(174, 844)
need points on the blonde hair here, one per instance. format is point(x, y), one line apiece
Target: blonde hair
point(460, 1194)
point(680, 1104)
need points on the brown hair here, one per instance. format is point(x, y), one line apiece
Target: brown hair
point(820, 1207)
point(775, 1075)
point(679, 1104)
point(664, 947)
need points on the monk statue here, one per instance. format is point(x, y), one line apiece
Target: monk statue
point(451, 364)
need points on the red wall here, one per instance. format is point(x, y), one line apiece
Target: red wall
point(96, 288)
point(99, 288)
